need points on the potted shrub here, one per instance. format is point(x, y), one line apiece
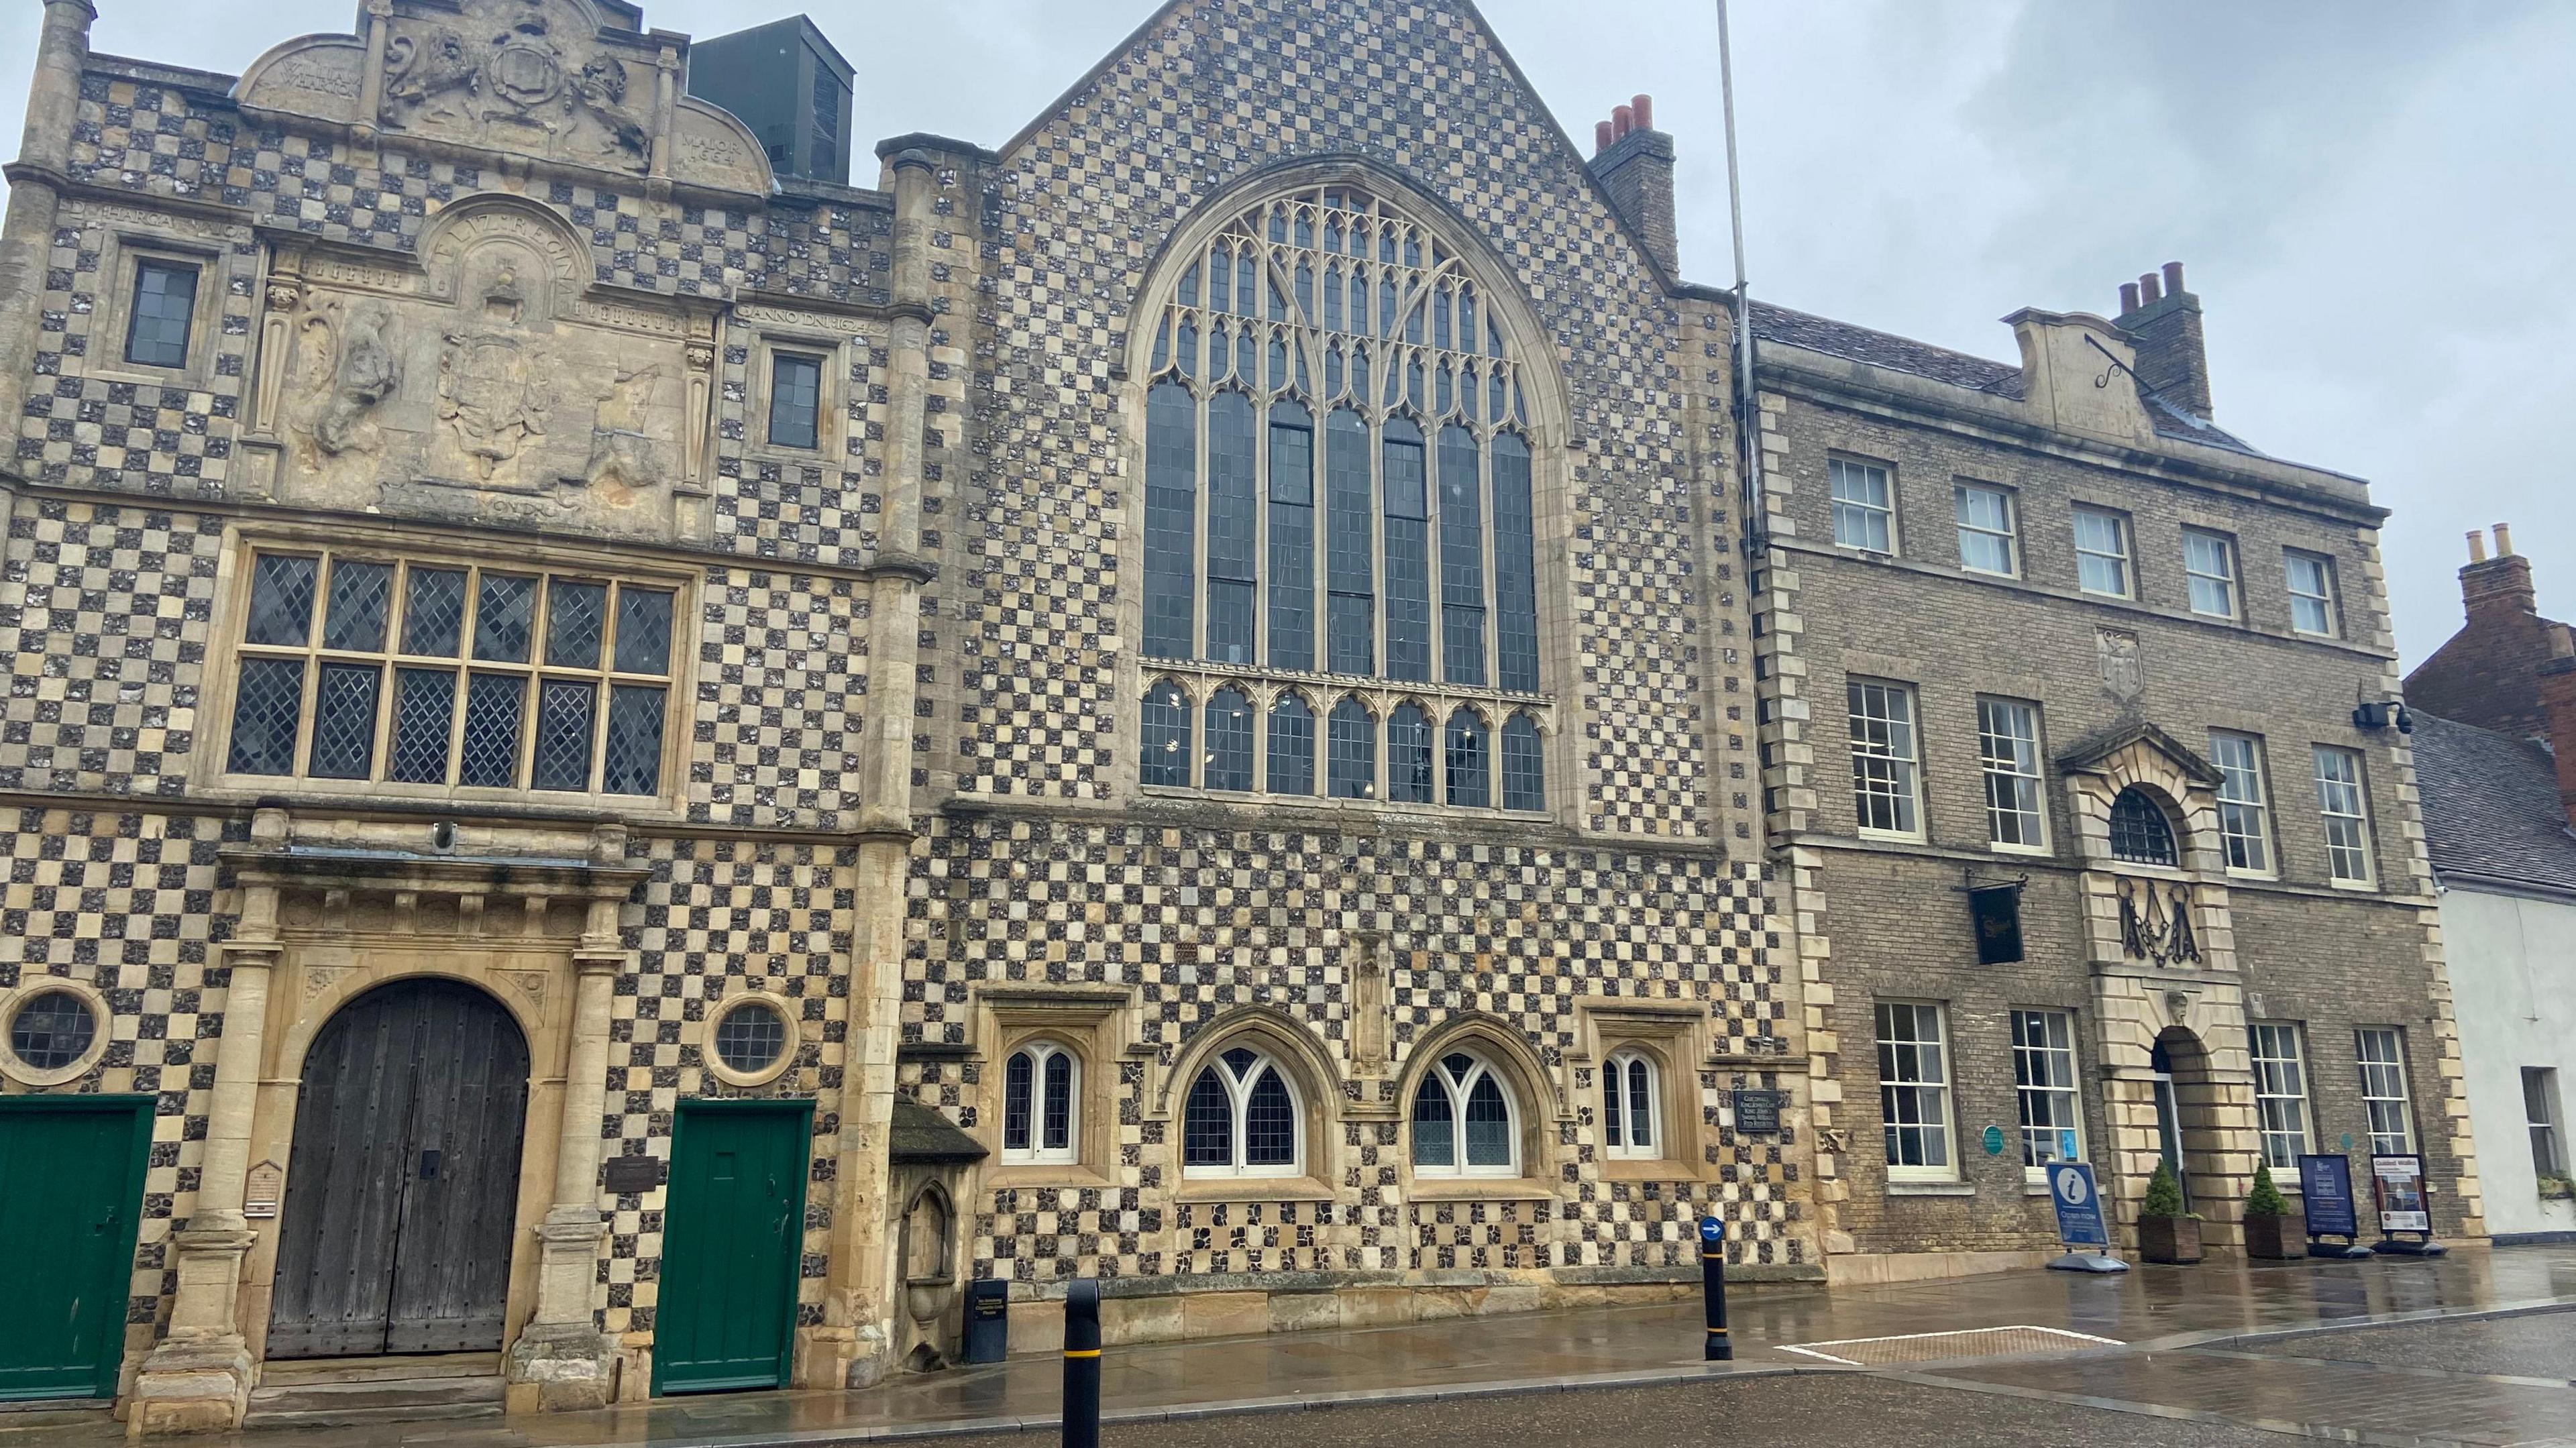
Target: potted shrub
point(2274, 1229)
point(2167, 1233)
point(2555, 1187)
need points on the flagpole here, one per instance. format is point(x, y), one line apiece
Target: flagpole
point(1748, 418)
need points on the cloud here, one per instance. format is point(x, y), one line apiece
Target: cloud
point(2373, 196)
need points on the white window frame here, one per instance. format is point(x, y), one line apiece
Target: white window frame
point(2004, 533)
point(1040, 1050)
point(1458, 1089)
point(2244, 803)
point(2122, 559)
point(2343, 810)
point(1238, 1091)
point(2203, 549)
point(2540, 1113)
point(1618, 1095)
point(2325, 598)
point(2053, 1055)
point(1863, 494)
point(1933, 1127)
point(2017, 762)
point(2379, 1053)
point(1900, 781)
point(2280, 1054)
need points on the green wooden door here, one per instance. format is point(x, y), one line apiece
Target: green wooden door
point(71, 1191)
point(732, 1233)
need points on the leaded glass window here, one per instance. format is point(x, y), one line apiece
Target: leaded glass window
point(165, 304)
point(1229, 741)
point(1464, 1120)
point(1338, 479)
point(1164, 738)
point(1524, 765)
point(393, 670)
point(1292, 747)
point(1466, 762)
point(1241, 1119)
point(1352, 748)
point(1040, 1107)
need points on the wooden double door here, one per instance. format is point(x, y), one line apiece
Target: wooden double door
point(403, 1195)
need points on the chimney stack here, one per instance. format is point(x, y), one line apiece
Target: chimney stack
point(2163, 320)
point(2558, 713)
point(2497, 585)
point(1634, 163)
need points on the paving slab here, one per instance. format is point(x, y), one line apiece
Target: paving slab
point(1533, 1352)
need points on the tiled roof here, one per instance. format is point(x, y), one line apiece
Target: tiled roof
point(2491, 806)
point(1960, 369)
point(1884, 349)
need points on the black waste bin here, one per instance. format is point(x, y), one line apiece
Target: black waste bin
point(988, 1320)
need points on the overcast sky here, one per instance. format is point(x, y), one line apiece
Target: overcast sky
point(2374, 198)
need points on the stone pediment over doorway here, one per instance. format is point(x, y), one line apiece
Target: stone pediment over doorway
point(2101, 753)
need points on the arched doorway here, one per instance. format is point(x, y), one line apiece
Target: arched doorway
point(405, 1173)
point(2189, 1128)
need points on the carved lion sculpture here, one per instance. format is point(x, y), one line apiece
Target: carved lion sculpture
point(365, 373)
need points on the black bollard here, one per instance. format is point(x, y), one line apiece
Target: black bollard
point(1082, 1365)
point(1712, 1278)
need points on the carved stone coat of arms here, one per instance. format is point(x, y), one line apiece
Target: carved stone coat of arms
point(492, 389)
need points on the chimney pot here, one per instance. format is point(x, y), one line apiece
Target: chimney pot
point(2147, 292)
point(2504, 540)
point(2128, 298)
point(1623, 119)
point(2173, 278)
point(1603, 134)
point(1644, 107)
point(2477, 545)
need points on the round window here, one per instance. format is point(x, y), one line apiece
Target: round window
point(53, 1031)
point(751, 1038)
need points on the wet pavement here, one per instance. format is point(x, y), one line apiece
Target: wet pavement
point(2204, 1345)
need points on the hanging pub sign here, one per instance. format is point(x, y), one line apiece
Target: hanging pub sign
point(1996, 912)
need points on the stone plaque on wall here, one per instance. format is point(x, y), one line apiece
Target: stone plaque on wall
point(1757, 1111)
point(261, 1190)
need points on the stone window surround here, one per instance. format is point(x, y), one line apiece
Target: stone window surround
point(416, 543)
point(1091, 1024)
point(832, 426)
point(1314, 1084)
point(739, 995)
point(103, 1028)
point(1675, 1036)
point(1538, 1106)
point(1553, 451)
point(118, 264)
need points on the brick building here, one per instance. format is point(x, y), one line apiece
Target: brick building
point(1178, 700)
point(2050, 627)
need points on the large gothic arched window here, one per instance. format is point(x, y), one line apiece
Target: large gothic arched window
point(1338, 474)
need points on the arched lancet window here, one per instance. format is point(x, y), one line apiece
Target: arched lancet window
point(1292, 747)
point(1466, 763)
point(1164, 735)
point(1353, 750)
point(1229, 741)
point(2140, 833)
point(1464, 1120)
point(1408, 755)
point(1524, 765)
point(1338, 471)
point(1632, 1109)
point(1041, 1104)
point(1241, 1119)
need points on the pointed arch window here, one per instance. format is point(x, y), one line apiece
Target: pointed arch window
point(1524, 765)
point(1632, 1112)
point(1338, 480)
point(1241, 1119)
point(1229, 741)
point(1466, 763)
point(1353, 750)
point(1164, 735)
point(1041, 1096)
point(1465, 1122)
point(1408, 755)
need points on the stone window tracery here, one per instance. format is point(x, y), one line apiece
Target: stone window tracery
point(1338, 475)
